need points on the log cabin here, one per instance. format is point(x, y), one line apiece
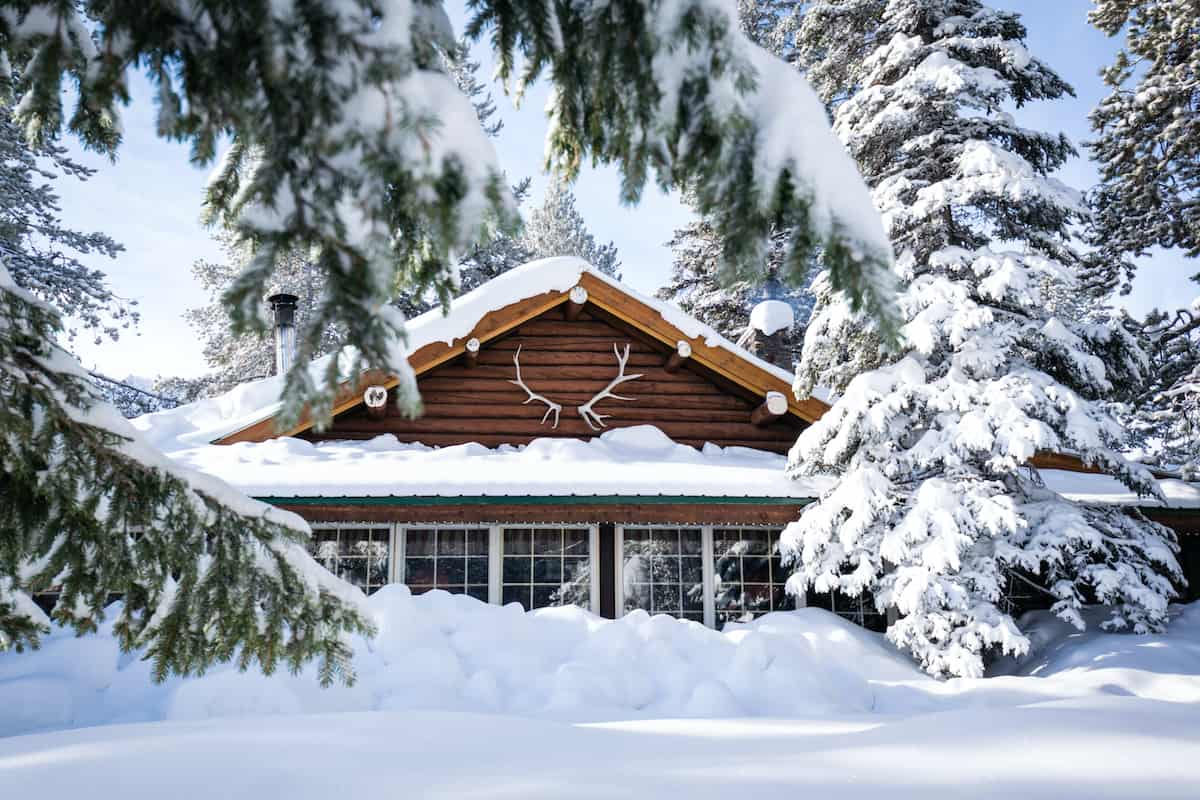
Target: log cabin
point(579, 444)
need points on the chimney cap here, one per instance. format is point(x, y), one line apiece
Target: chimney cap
point(283, 299)
point(772, 316)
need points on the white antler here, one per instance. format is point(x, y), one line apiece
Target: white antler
point(586, 411)
point(551, 406)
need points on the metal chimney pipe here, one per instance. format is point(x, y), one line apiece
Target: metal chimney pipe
point(283, 305)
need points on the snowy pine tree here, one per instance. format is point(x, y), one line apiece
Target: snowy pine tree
point(556, 228)
point(1163, 415)
point(128, 398)
point(937, 507)
point(465, 72)
point(43, 254)
point(1148, 128)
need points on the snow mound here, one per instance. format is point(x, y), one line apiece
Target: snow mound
point(442, 652)
point(438, 651)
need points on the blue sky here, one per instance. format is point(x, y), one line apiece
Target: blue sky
point(149, 200)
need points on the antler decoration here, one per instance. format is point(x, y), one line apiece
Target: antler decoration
point(551, 406)
point(586, 411)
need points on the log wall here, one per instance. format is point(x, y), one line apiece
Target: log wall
point(569, 361)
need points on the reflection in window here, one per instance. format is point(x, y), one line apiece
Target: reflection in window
point(662, 571)
point(546, 567)
point(356, 555)
point(748, 574)
point(454, 559)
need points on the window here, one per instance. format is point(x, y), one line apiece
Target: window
point(454, 559)
point(662, 571)
point(859, 610)
point(546, 567)
point(748, 574)
point(358, 555)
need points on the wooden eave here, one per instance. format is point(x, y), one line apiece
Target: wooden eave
point(604, 296)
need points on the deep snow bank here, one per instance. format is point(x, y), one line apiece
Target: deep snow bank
point(452, 653)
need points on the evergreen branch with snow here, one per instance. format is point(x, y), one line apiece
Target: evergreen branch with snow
point(352, 143)
point(89, 512)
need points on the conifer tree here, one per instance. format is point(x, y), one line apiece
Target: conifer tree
point(350, 144)
point(937, 507)
point(556, 228)
point(43, 254)
point(1147, 129)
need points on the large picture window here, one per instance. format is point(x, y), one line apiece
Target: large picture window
point(662, 571)
point(546, 566)
point(357, 555)
point(453, 559)
point(748, 576)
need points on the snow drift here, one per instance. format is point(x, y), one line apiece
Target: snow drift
point(443, 652)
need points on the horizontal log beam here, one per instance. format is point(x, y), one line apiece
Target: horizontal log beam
point(681, 353)
point(772, 408)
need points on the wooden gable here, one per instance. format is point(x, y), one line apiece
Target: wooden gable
point(569, 361)
point(739, 381)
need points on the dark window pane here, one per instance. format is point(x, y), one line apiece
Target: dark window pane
point(666, 569)
point(728, 597)
point(757, 598)
point(478, 592)
point(477, 570)
point(781, 600)
point(575, 541)
point(418, 543)
point(517, 541)
point(477, 543)
point(451, 543)
point(729, 570)
point(354, 542)
point(692, 570)
point(377, 571)
point(353, 570)
point(756, 569)
point(516, 570)
point(755, 543)
point(544, 596)
point(665, 541)
point(451, 571)
point(575, 568)
point(547, 570)
point(636, 537)
point(693, 598)
point(515, 594)
point(547, 543)
point(690, 543)
point(420, 589)
point(665, 599)
point(418, 571)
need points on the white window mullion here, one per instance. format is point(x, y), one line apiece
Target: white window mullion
point(495, 564)
point(619, 571)
point(397, 571)
point(710, 580)
point(594, 566)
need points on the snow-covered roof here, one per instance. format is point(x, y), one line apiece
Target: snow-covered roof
point(640, 460)
point(211, 419)
point(637, 461)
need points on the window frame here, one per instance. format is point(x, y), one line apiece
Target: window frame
point(706, 575)
point(363, 525)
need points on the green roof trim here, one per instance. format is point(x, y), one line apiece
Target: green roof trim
point(537, 500)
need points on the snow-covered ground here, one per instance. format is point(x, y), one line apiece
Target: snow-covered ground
point(457, 697)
